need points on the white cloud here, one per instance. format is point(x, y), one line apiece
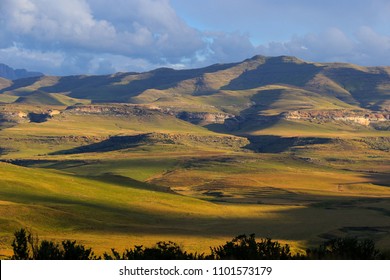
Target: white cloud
point(229, 47)
point(372, 40)
point(145, 28)
point(50, 62)
point(20, 57)
point(98, 36)
point(52, 22)
point(366, 47)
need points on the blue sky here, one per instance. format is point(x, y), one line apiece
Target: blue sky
point(66, 37)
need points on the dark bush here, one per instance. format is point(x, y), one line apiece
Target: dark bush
point(26, 246)
point(246, 248)
point(73, 251)
point(345, 249)
point(48, 250)
point(161, 251)
point(20, 245)
point(242, 247)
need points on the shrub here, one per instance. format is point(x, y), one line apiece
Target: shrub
point(246, 248)
point(26, 247)
point(20, 245)
point(161, 251)
point(345, 249)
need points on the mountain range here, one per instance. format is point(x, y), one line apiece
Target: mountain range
point(228, 87)
point(275, 146)
point(14, 74)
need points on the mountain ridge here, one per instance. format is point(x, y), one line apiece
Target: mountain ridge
point(9, 73)
point(262, 85)
point(271, 145)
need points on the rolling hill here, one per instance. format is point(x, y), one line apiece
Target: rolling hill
point(367, 87)
point(251, 90)
point(278, 146)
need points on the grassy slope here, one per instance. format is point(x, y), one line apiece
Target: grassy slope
point(58, 205)
point(360, 80)
point(5, 98)
point(50, 99)
point(272, 195)
point(4, 83)
point(31, 139)
point(300, 195)
point(293, 128)
point(190, 88)
point(110, 214)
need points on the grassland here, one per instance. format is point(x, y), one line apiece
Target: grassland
point(7, 98)
point(197, 195)
point(116, 175)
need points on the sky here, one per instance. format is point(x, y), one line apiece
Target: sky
point(66, 37)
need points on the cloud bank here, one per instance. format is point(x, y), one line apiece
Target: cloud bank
point(100, 36)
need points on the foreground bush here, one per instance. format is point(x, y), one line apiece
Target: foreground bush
point(246, 248)
point(345, 249)
point(161, 251)
point(28, 247)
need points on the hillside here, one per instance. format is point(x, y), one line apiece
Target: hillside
point(4, 83)
point(344, 82)
point(260, 86)
point(43, 98)
point(274, 146)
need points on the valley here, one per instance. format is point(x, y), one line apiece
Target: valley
point(276, 146)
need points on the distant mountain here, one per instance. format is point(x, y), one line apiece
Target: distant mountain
point(12, 74)
point(259, 85)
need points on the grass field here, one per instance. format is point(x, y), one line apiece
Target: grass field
point(194, 193)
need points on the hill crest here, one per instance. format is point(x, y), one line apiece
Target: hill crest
point(258, 85)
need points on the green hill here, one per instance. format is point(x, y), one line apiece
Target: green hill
point(276, 146)
point(43, 98)
point(367, 87)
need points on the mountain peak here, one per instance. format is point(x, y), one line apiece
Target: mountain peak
point(286, 59)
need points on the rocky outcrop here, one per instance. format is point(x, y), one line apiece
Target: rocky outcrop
point(360, 117)
point(202, 118)
point(108, 110)
point(238, 122)
point(15, 115)
point(377, 120)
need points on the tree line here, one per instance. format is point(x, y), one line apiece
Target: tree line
point(27, 246)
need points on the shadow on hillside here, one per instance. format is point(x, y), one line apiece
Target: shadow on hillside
point(382, 179)
point(20, 83)
point(359, 83)
point(319, 220)
point(113, 143)
point(99, 88)
point(278, 144)
point(274, 71)
point(243, 124)
point(251, 119)
point(128, 182)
